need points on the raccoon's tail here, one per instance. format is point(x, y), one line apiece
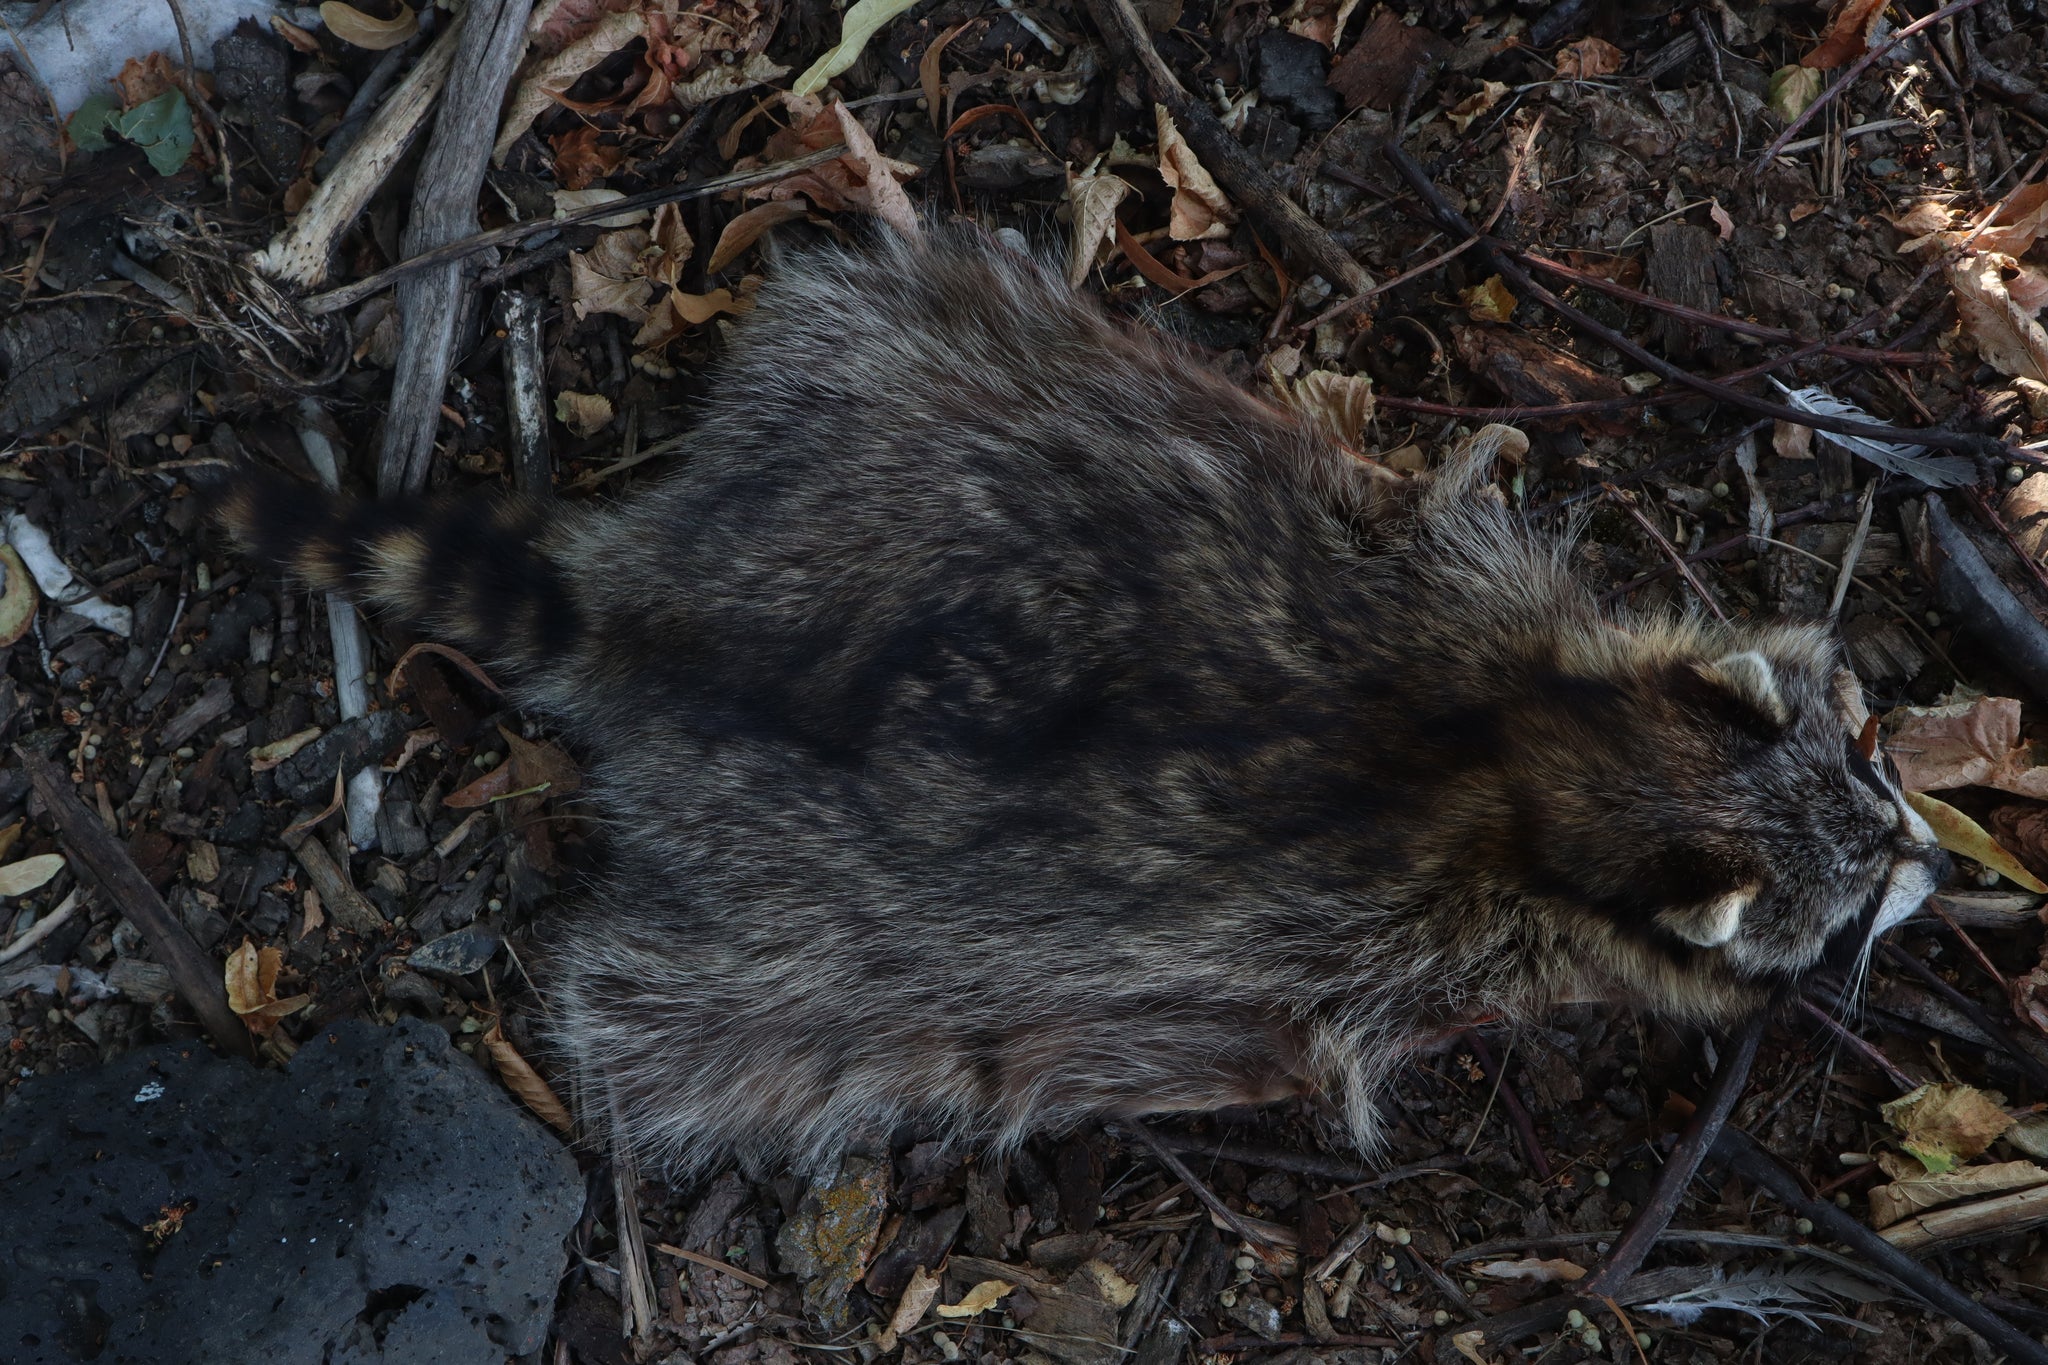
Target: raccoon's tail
point(474, 571)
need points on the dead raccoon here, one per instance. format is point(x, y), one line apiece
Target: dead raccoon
point(1000, 720)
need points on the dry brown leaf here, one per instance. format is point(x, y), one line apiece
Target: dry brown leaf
point(358, 29)
point(1724, 222)
point(550, 76)
point(1945, 1125)
point(677, 312)
point(251, 980)
point(539, 764)
point(1790, 441)
point(879, 189)
point(928, 76)
point(2005, 334)
point(1588, 58)
point(917, 1297)
point(314, 914)
point(979, 1299)
point(9, 837)
point(1533, 1270)
point(303, 42)
point(1093, 199)
point(18, 879)
point(1965, 744)
point(609, 277)
point(1200, 208)
point(2016, 226)
point(1904, 1198)
point(264, 757)
point(142, 80)
point(721, 80)
point(1958, 833)
point(1847, 36)
point(743, 231)
point(585, 414)
point(202, 861)
point(524, 1082)
point(673, 245)
point(582, 157)
point(1339, 404)
point(1376, 71)
point(1475, 105)
point(1489, 301)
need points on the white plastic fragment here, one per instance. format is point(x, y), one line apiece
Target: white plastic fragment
point(59, 584)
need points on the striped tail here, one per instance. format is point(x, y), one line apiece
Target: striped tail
point(470, 570)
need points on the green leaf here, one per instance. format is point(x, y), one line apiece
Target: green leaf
point(1792, 89)
point(162, 128)
point(88, 127)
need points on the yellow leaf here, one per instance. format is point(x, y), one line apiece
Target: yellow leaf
point(354, 27)
point(979, 1299)
point(1958, 833)
point(862, 22)
point(1488, 302)
point(251, 980)
point(18, 602)
point(1945, 1125)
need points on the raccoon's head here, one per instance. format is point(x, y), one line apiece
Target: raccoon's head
point(1722, 826)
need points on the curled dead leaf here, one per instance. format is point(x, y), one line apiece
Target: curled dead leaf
point(743, 231)
point(1588, 58)
point(1958, 833)
point(1488, 301)
point(1792, 90)
point(1848, 35)
point(1475, 105)
point(1533, 1270)
point(1200, 209)
point(1916, 1194)
point(264, 757)
point(917, 1297)
point(2004, 331)
point(1339, 404)
point(358, 29)
point(549, 76)
point(585, 414)
point(251, 980)
point(524, 1082)
point(979, 1299)
point(1093, 199)
point(1966, 744)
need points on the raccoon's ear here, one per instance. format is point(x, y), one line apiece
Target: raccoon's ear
point(1748, 678)
point(1713, 923)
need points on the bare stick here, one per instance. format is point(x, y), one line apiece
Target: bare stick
point(1224, 1213)
point(1235, 168)
point(1741, 1154)
point(41, 929)
point(1671, 552)
point(1518, 1113)
point(199, 980)
point(636, 1289)
point(1986, 1024)
point(350, 294)
point(1867, 1051)
point(300, 254)
point(345, 631)
point(1643, 1230)
point(1848, 78)
point(526, 394)
point(430, 304)
point(351, 909)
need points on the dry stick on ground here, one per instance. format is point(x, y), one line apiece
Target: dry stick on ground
point(198, 978)
point(1510, 1100)
point(526, 393)
point(1224, 1213)
point(1848, 78)
point(1858, 1045)
point(1989, 606)
point(350, 908)
point(1975, 1013)
point(1671, 552)
point(299, 255)
point(636, 1283)
point(1449, 217)
point(1739, 1153)
point(1222, 155)
point(1656, 1212)
point(1357, 1177)
point(349, 294)
point(42, 928)
point(431, 303)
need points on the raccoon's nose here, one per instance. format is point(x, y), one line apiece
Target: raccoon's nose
point(1939, 865)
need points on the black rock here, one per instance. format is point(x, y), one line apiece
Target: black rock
point(308, 775)
point(1294, 71)
point(380, 1201)
point(458, 954)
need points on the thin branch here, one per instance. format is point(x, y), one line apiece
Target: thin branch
point(1224, 1213)
point(1671, 552)
point(350, 294)
point(1518, 1113)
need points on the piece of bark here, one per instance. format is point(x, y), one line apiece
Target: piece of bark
point(1680, 269)
point(199, 979)
point(430, 303)
point(350, 908)
point(1376, 72)
point(526, 394)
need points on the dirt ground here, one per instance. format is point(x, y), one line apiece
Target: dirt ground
point(1619, 148)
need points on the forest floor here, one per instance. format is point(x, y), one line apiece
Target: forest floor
point(1646, 235)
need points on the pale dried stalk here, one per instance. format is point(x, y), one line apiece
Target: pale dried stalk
point(299, 255)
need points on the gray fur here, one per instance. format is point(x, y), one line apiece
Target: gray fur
point(1000, 721)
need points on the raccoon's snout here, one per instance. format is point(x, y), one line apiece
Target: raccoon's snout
point(1920, 870)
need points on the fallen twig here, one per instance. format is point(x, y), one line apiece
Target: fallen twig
point(41, 929)
point(430, 303)
point(1518, 1113)
point(1222, 155)
point(1742, 1155)
point(1656, 1211)
point(197, 978)
point(526, 394)
point(1976, 596)
point(349, 294)
point(1971, 1010)
point(1857, 1045)
point(1225, 1214)
point(1671, 552)
point(350, 908)
point(299, 254)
